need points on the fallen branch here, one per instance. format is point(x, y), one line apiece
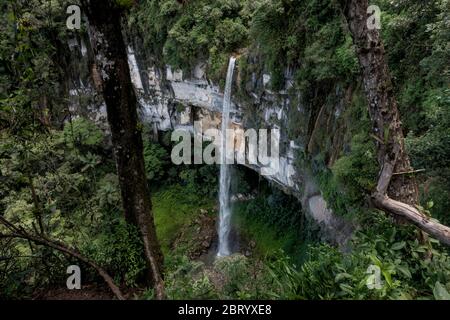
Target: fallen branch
point(409, 172)
point(425, 223)
point(18, 232)
point(396, 192)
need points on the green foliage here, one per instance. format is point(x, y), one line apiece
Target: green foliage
point(68, 177)
point(327, 273)
point(30, 64)
point(78, 200)
point(352, 177)
point(157, 161)
point(174, 208)
point(118, 248)
point(404, 273)
point(358, 167)
point(421, 76)
point(431, 150)
point(307, 36)
point(125, 4)
point(233, 277)
point(185, 34)
point(81, 133)
point(240, 276)
point(274, 221)
point(200, 180)
point(440, 292)
point(188, 281)
point(270, 27)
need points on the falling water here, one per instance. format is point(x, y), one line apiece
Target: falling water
point(225, 178)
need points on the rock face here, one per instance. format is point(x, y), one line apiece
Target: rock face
point(199, 236)
point(171, 100)
point(202, 101)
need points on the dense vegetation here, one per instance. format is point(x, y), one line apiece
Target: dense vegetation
point(62, 173)
point(309, 37)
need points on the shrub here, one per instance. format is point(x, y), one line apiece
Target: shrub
point(157, 161)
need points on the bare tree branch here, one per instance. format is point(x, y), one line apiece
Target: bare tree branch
point(19, 232)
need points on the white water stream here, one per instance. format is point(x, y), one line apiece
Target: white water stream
point(225, 177)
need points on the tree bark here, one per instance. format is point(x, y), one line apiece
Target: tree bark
point(395, 193)
point(118, 92)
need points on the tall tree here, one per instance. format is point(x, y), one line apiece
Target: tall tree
point(118, 92)
point(396, 191)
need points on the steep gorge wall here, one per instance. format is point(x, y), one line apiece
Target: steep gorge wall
point(169, 99)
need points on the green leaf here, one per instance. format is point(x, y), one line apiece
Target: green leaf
point(387, 277)
point(440, 292)
point(346, 288)
point(405, 271)
point(376, 261)
point(341, 276)
point(398, 245)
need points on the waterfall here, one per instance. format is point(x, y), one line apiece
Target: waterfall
point(225, 178)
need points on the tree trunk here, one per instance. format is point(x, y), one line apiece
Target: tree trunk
point(112, 63)
point(395, 193)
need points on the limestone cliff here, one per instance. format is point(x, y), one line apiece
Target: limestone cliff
point(171, 99)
